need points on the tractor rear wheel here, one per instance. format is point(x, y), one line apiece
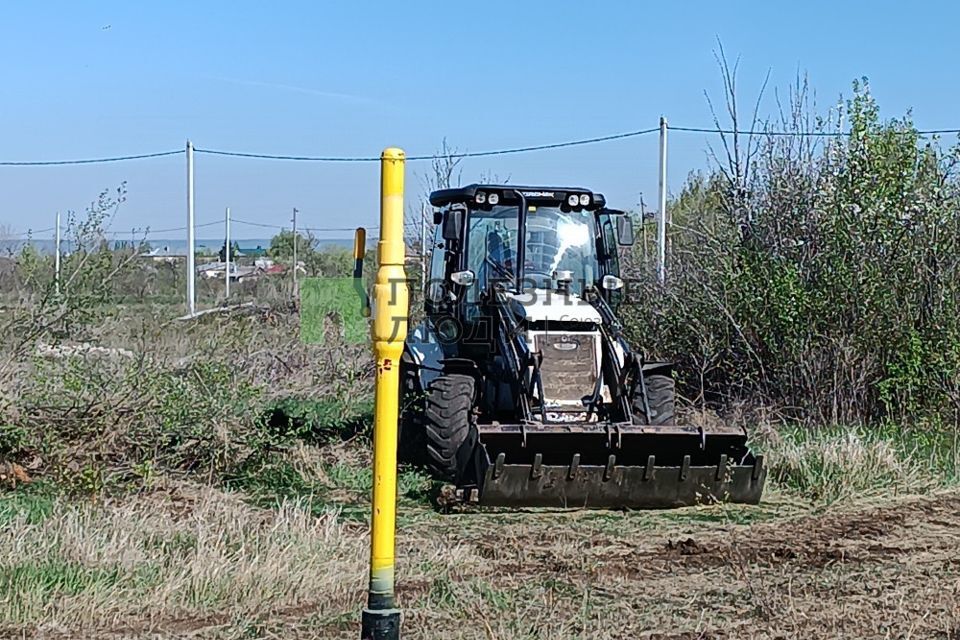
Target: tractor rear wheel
point(449, 425)
point(661, 398)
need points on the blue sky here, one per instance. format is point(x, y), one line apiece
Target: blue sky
point(317, 78)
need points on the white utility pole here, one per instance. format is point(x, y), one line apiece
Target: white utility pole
point(423, 247)
point(191, 240)
point(226, 273)
point(662, 219)
point(294, 251)
point(56, 258)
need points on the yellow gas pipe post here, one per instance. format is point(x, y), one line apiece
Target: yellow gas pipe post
point(381, 618)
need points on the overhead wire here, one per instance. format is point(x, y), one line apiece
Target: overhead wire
point(469, 154)
point(465, 154)
point(30, 232)
point(796, 134)
point(47, 163)
point(455, 155)
point(279, 226)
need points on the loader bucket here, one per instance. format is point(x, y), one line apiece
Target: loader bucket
point(614, 466)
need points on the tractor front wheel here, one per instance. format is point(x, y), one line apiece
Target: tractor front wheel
point(449, 424)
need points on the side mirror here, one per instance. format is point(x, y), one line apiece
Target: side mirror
point(463, 278)
point(625, 230)
point(452, 224)
point(611, 283)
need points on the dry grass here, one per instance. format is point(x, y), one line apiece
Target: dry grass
point(195, 562)
point(833, 464)
point(174, 559)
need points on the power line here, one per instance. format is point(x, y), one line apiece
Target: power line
point(47, 163)
point(474, 154)
point(466, 154)
point(30, 232)
point(257, 224)
point(325, 229)
point(147, 231)
point(197, 226)
point(797, 134)
point(281, 227)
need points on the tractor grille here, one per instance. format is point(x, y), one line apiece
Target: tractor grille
point(569, 367)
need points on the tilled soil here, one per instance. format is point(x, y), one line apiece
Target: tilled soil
point(885, 571)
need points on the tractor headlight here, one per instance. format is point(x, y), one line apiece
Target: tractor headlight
point(573, 200)
point(493, 198)
point(481, 197)
point(584, 199)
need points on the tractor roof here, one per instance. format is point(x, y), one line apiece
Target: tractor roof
point(507, 194)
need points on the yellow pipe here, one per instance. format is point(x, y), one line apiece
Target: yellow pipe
point(390, 299)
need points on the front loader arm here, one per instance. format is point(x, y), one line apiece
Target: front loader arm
point(512, 346)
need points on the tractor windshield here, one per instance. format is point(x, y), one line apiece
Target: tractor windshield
point(555, 241)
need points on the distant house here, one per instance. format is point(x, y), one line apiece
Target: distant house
point(254, 253)
point(162, 254)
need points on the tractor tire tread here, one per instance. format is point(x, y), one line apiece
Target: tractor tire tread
point(448, 422)
point(661, 397)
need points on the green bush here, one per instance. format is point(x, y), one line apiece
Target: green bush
point(819, 275)
point(318, 420)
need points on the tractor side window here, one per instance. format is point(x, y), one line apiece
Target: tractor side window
point(609, 236)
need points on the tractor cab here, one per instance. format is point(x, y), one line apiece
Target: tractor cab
point(523, 240)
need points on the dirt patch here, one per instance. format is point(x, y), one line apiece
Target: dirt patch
point(817, 541)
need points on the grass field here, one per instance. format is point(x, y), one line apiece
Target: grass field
point(215, 484)
point(286, 556)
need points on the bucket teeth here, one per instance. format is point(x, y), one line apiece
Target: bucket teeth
point(611, 485)
point(498, 465)
point(722, 467)
point(648, 471)
point(579, 465)
point(608, 470)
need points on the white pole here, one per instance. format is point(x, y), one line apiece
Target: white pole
point(423, 247)
point(191, 240)
point(662, 221)
point(294, 251)
point(56, 258)
point(226, 273)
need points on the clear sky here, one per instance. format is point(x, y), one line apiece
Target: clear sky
point(91, 79)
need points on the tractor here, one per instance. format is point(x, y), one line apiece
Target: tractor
point(519, 387)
